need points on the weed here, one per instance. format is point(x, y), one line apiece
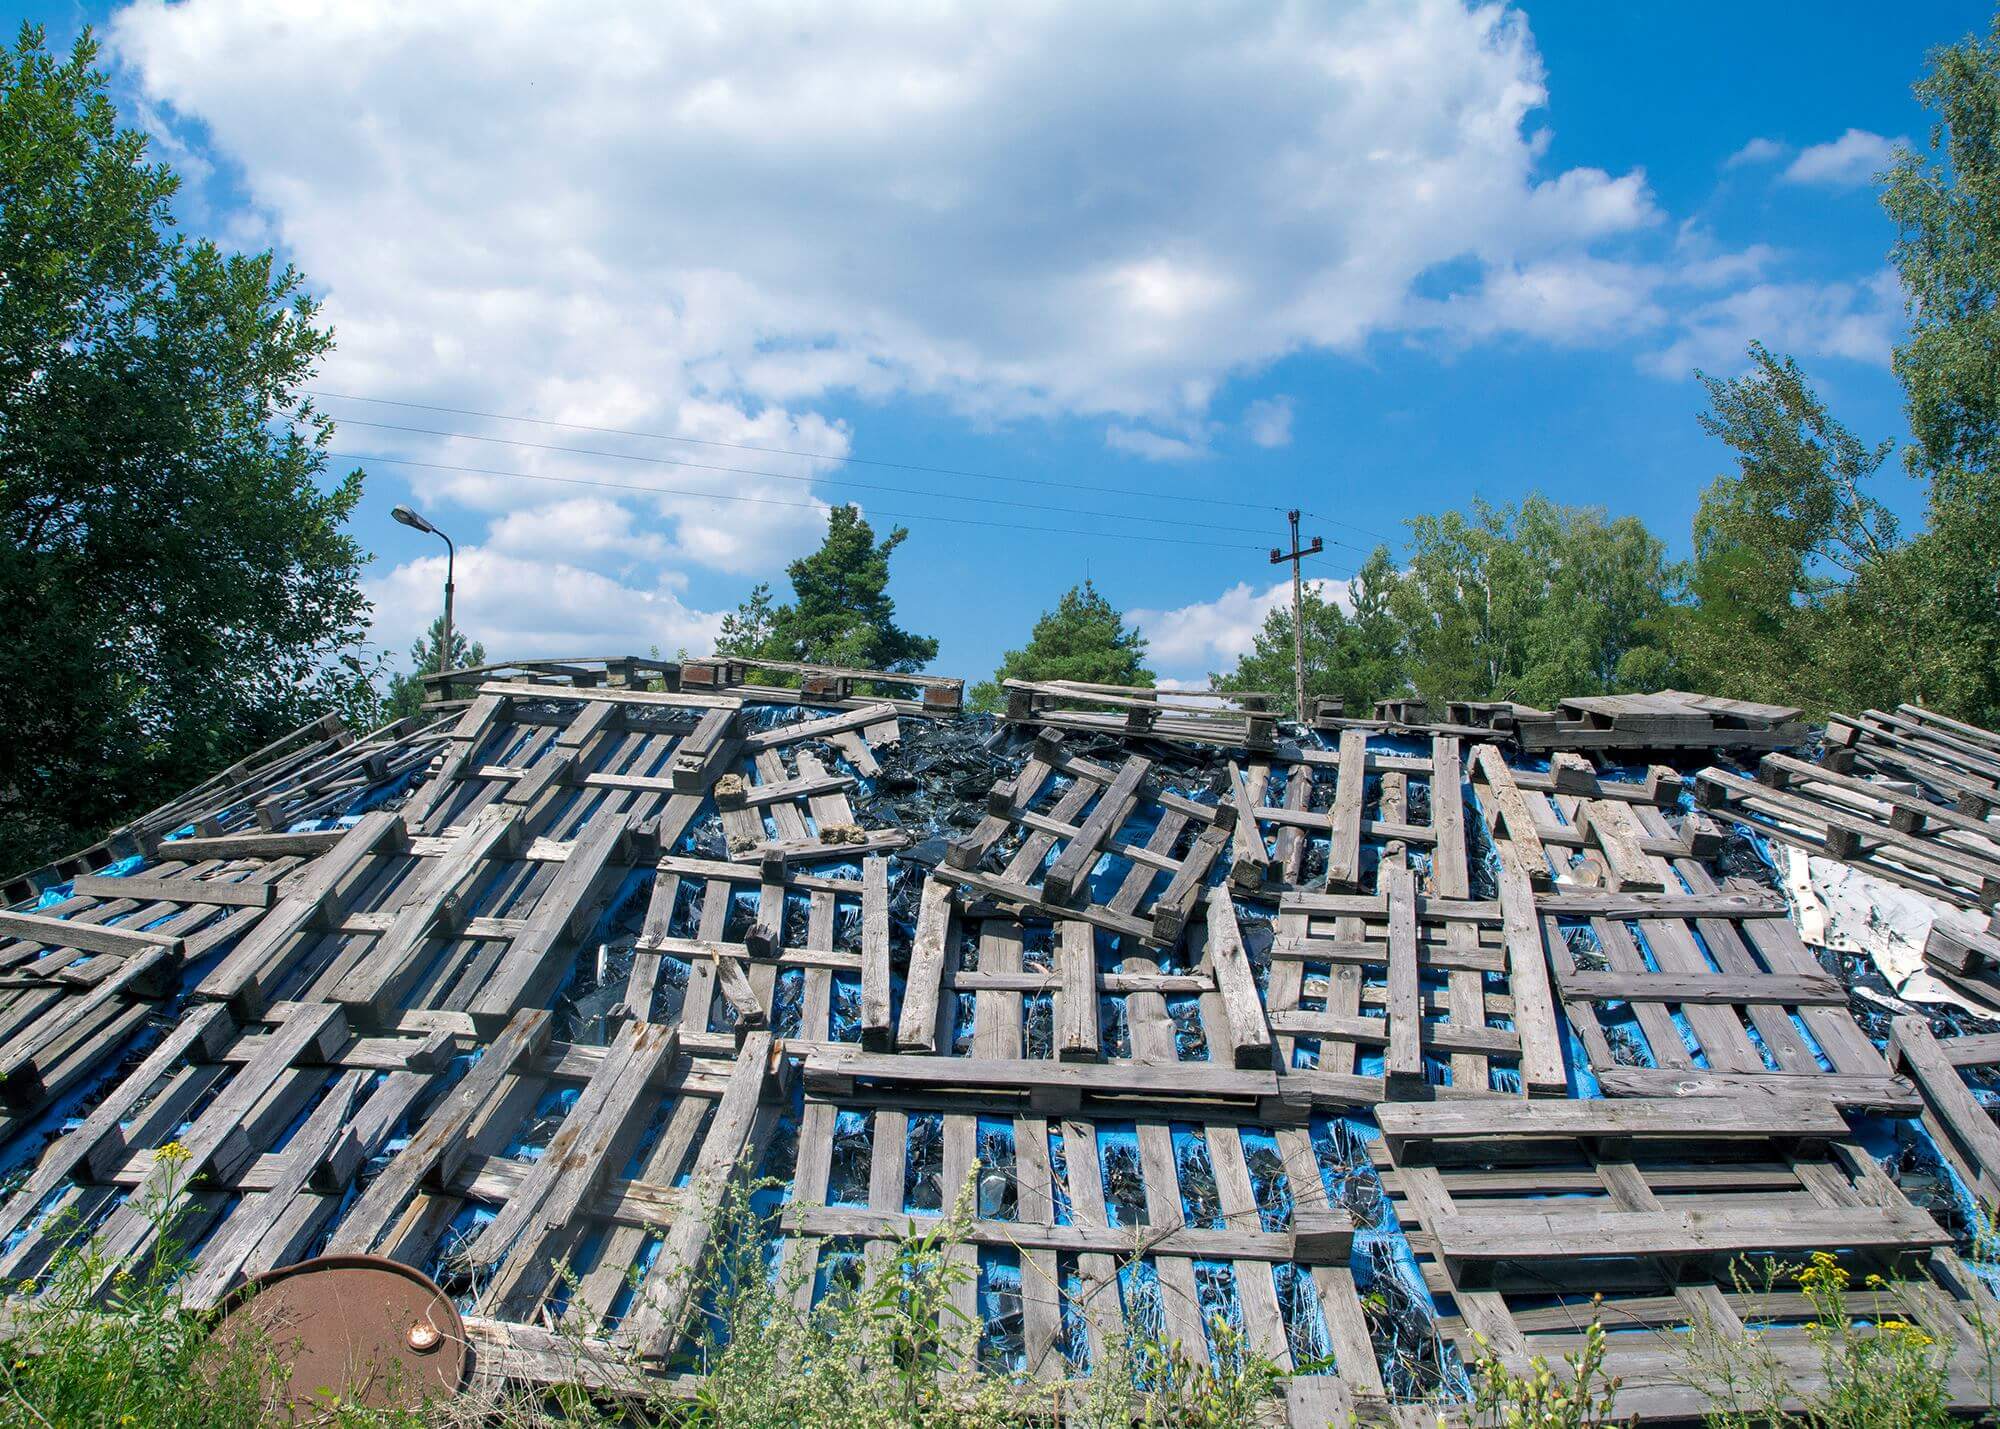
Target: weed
point(1543, 1398)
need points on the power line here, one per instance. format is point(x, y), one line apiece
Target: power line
point(772, 501)
point(808, 479)
point(1350, 526)
point(786, 451)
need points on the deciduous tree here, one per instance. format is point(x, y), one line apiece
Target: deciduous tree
point(178, 580)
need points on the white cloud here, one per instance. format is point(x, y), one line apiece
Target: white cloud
point(1153, 446)
point(1854, 158)
point(1193, 640)
point(1856, 321)
point(1757, 151)
point(1268, 420)
point(711, 222)
point(1038, 208)
point(1567, 300)
point(520, 607)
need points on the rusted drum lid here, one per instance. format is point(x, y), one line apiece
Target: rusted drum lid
point(353, 1329)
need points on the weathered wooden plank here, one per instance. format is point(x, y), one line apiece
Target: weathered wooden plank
point(1250, 861)
point(442, 1142)
point(1068, 875)
point(1523, 843)
point(1343, 859)
point(221, 893)
point(1890, 1095)
point(876, 1028)
point(917, 1030)
point(1705, 989)
point(1076, 992)
point(1563, 1232)
point(1528, 980)
point(661, 1304)
point(1413, 1130)
point(1249, 1029)
point(90, 937)
point(1404, 1064)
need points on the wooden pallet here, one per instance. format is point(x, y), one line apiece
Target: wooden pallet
point(1956, 1119)
point(1239, 721)
point(1084, 997)
point(1674, 984)
point(1077, 810)
point(1666, 720)
point(1520, 1212)
point(316, 770)
point(1213, 1213)
point(1956, 762)
point(1895, 835)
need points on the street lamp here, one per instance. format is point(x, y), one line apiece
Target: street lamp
point(417, 523)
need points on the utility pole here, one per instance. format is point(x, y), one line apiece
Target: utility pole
point(1295, 555)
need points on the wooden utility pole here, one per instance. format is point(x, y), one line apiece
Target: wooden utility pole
point(1295, 555)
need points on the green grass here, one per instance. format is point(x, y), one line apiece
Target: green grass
point(897, 1351)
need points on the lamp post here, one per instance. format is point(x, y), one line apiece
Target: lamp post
point(417, 523)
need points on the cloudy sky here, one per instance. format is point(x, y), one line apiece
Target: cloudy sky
point(626, 295)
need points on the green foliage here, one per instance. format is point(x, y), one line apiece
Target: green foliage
point(1946, 207)
point(1084, 638)
point(1357, 657)
point(1879, 1368)
point(406, 692)
point(126, 1358)
point(895, 1350)
point(1544, 1398)
point(1532, 604)
point(840, 613)
point(1794, 559)
point(179, 587)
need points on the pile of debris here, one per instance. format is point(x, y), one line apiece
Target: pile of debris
point(1379, 1040)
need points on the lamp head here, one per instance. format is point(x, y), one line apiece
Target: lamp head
point(411, 519)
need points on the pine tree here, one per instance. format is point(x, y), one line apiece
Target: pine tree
point(1084, 638)
point(840, 613)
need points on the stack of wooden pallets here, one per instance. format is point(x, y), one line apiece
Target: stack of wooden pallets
point(1368, 1044)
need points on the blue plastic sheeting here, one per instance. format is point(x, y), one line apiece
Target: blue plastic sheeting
point(1002, 1336)
point(1059, 1165)
point(1201, 1199)
point(448, 1266)
point(63, 892)
point(1305, 1321)
point(1582, 1081)
point(1884, 1137)
point(1381, 1259)
point(853, 1151)
point(1075, 1329)
point(1216, 1296)
point(1124, 1185)
point(998, 1192)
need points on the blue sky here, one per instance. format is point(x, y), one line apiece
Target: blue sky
point(1171, 271)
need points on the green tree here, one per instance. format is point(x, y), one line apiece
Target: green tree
point(840, 612)
point(406, 692)
point(1532, 604)
point(1794, 559)
point(180, 587)
point(1084, 638)
point(1356, 658)
point(1945, 201)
